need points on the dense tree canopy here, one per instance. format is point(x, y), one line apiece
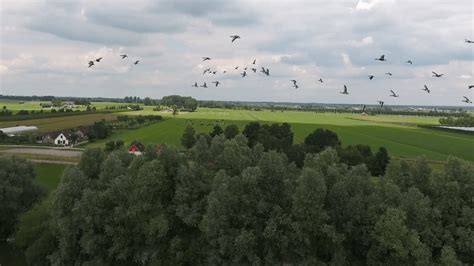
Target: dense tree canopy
point(18, 192)
point(181, 102)
point(225, 201)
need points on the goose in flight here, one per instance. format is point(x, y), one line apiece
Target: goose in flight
point(234, 37)
point(91, 63)
point(254, 61)
point(409, 62)
point(204, 85)
point(345, 91)
point(363, 108)
point(265, 71)
point(98, 59)
point(216, 83)
point(371, 77)
point(394, 94)
point(436, 75)
point(380, 103)
point(468, 41)
point(320, 80)
point(195, 85)
point(466, 100)
point(426, 89)
point(381, 58)
point(225, 71)
point(206, 58)
point(244, 74)
point(254, 70)
point(294, 84)
point(214, 72)
point(124, 56)
point(470, 86)
point(237, 67)
point(206, 70)
point(388, 73)
point(136, 62)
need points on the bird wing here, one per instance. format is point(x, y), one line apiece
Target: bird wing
point(382, 57)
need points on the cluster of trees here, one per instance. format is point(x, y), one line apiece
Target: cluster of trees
point(465, 121)
point(279, 137)
point(125, 121)
point(225, 202)
point(180, 102)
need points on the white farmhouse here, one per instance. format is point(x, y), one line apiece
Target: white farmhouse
point(61, 140)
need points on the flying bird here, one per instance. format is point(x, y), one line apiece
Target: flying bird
point(206, 70)
point(363, 108)
point(388, 73)
point(468, 41)
point(214, 72)
point(466, 100)
point(98, 59)
point(470, 86)
point(294, 84)
point(345, 91)
point(124, 56)
point(380, 103)
point(225, 71)
point(381, 58)
point(206, 59)
point(244, 74)
point(237, 67)
point(320, 80)
point(234, 37)
point(254, 61)
point(204, 85)
point(394, 94)
point(245, 68)
point(216, 83)
point(254, 70)
point(91, 63)
point(409, 62)
point(195, 85)
point(136, 62)
point(436, 75)
point(426, 89)
point(371, 77)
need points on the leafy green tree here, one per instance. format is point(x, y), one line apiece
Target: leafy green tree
point(251, 132)
point(320, 139)
point(188, 139)
point(18, 191)
point(380, 162)
point(216, 131)
point(395, 244)
point(448, 257)
point(91, 161)
point(231, 131)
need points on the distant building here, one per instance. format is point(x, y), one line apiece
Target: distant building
point(134, 150)
point(18, 130)
point(56, 138)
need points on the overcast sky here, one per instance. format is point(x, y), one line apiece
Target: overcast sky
point(46, 46)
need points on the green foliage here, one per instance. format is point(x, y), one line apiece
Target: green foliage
point(216, 131)
point(465, 121)
point(187, 103)
point(18, 191)
point(321, 139)
point(231, 131)
point(188, 139)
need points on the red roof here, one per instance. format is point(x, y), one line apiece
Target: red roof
point(133, 148)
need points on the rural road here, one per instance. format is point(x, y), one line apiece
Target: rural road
point(41, 151)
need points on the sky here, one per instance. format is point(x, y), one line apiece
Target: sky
point(46, 45)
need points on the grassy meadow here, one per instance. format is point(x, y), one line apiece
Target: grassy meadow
point(49, 175)
point(15, 105)
point(399, 134)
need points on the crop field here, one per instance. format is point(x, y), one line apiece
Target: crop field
point(399, 134)
point(35, 105)
point(58, 123)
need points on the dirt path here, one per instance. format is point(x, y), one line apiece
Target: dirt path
point(65, 153)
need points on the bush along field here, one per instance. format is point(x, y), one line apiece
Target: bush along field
point(231, 199)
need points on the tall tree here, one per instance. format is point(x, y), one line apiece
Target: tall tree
point(188, 139)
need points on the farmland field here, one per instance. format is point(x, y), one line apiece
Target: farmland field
point(58, 123)
point(15, 105)
point(49, 175)
point(399, 134)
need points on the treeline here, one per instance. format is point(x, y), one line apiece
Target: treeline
point(466, 121)
point(180, 102)
point(279, 137)
point(226, 203)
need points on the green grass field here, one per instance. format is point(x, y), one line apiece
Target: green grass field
point(49, 175)
point(399, 134)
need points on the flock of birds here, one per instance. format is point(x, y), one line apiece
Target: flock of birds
point(265, 71)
